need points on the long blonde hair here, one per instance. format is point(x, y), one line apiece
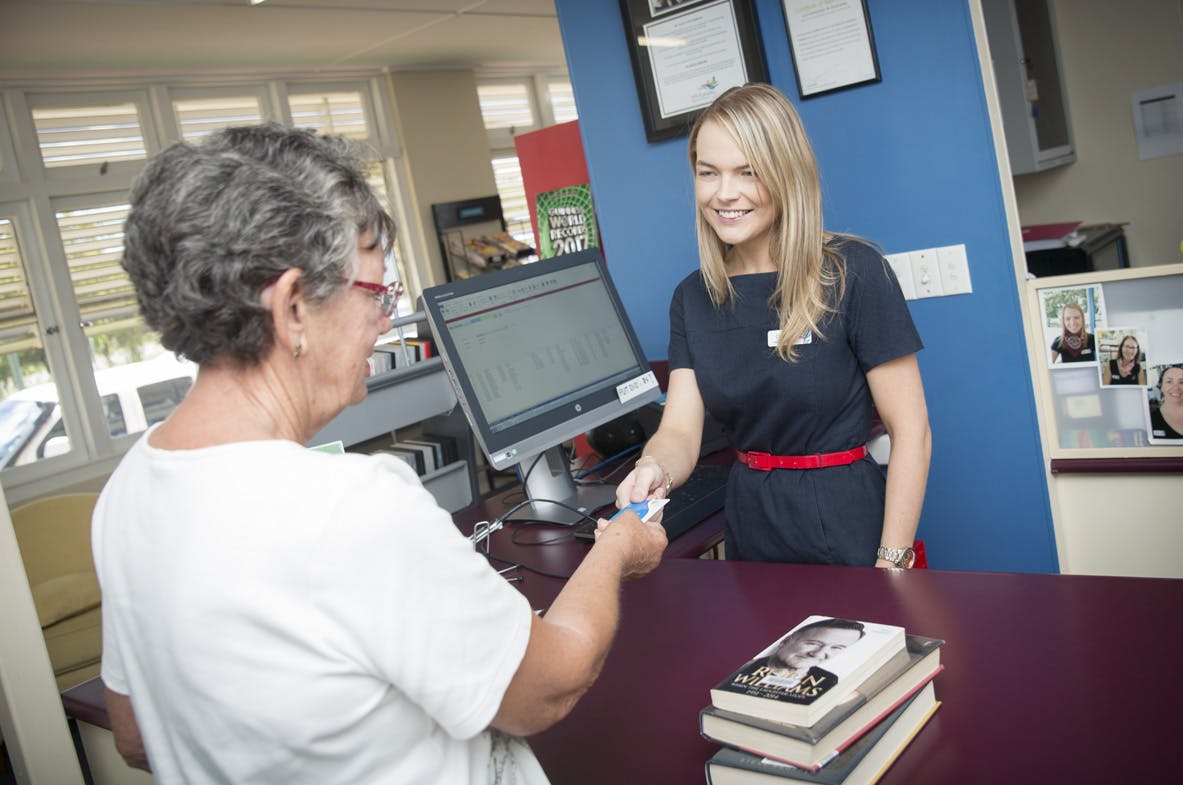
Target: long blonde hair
point(811, 277)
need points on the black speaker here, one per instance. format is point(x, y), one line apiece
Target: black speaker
point(616, 436)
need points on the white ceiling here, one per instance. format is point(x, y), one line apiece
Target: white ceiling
point(71, 39)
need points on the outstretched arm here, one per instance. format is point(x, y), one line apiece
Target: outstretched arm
point(567, 647)
point(670, 454)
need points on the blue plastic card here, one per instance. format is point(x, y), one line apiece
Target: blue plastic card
point(644, 509)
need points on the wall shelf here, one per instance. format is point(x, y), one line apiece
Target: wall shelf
point(405, 397)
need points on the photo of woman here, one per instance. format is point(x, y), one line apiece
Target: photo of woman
point(1123, 356)
point(1074, 344)
point(1071, 317)
point(1164, 403)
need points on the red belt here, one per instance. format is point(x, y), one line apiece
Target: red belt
point(764, 462)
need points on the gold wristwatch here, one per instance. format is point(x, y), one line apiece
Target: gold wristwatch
point(903, 558)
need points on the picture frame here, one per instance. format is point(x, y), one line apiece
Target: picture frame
point(685, 53)
point(832, 45)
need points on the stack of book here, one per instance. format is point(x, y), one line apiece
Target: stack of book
point(833, 701)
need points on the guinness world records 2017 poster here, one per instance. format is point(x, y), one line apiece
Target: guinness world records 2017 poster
point(566, 221)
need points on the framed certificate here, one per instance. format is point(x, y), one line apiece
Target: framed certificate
point(832, 45)
point(687, 52)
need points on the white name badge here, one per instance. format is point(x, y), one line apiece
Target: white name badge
point(774, 338)
point(634, 387)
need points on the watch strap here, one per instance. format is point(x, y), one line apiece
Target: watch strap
point(894, 555)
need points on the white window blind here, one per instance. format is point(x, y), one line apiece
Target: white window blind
point(514, 207)
point(562, 101)
point(200, 117)
point(331, 113)
point(93, 243)
point(70, 136)
point(505, 105)
point(18, 320)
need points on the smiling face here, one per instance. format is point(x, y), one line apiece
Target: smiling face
point(1072, 317)
point(731, 197)
point(1129, 349)
point(812, 647)
point(1172, 387)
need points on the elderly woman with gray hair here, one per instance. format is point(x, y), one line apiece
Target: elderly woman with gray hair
point(277, 614)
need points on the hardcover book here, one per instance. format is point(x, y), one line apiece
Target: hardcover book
point(812, 747)
point(810, 670)
point(863, 762)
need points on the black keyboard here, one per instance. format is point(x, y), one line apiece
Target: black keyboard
point(695, 500)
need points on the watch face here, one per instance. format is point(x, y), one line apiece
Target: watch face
point(908, 559)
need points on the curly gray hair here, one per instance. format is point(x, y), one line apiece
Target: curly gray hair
point(212, 224)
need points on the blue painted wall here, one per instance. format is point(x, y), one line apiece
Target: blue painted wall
point(908, 163)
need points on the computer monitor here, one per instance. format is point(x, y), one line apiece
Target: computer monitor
point(539, 354)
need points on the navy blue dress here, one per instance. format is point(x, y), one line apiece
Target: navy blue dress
point(819, 404)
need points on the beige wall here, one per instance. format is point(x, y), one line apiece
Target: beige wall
point(1110, 49)
point(445, 149)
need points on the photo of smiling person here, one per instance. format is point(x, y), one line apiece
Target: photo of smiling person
point(1071, 316)
point(1164, 403)
point(1123, 356)
point(801, 653)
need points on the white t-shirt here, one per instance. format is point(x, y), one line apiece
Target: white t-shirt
point(282, 615)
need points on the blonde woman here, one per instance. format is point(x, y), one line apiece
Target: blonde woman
point(1074, 344)
point(788, 334)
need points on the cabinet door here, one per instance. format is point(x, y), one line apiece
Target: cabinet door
point(1024, 48)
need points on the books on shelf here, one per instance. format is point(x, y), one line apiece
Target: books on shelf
point(807, 672)
point(810, 747)
point(862, 763)
point(400, 354)
point(426, 454)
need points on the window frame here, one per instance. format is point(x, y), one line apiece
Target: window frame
point(174, 93)
point(46, 99)
point(31, 194)
point(501, 140)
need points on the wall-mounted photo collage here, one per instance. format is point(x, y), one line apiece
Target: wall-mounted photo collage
point(1115, 353)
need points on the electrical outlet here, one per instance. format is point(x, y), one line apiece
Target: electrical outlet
point(902, 267)
point(954, 269)
point(926, 276)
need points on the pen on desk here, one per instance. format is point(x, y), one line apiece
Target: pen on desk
point(514, 579)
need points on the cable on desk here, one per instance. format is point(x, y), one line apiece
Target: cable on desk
point(562, 537)
point(504, 518)
point(528, 568)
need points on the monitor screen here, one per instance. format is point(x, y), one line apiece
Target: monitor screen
point(539, 354)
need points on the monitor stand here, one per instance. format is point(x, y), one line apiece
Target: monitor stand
point(550, 481)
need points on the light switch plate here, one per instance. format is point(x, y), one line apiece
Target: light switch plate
point(902, 267)
point(954, 269)
point(926, 276)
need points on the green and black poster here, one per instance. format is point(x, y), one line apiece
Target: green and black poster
point(566, 221)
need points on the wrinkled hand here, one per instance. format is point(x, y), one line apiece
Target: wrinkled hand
point(641, 543)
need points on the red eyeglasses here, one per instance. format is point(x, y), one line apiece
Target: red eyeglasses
point(386, 296)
